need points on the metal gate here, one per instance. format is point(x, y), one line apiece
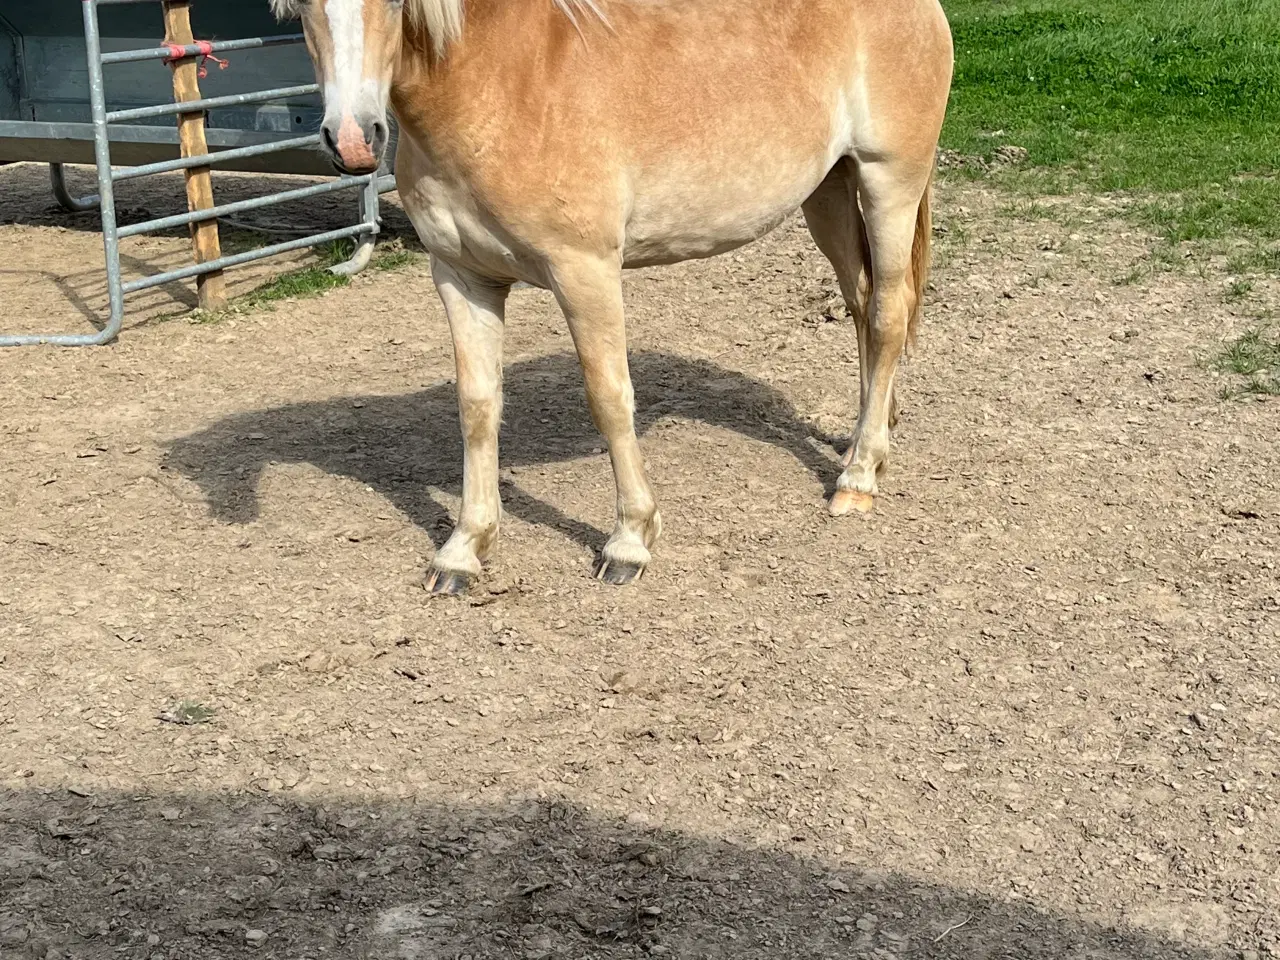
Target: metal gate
point(121, 126)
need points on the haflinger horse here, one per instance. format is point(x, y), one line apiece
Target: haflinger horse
point(559, 142)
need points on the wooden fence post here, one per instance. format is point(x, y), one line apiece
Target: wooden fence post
point(212, 287)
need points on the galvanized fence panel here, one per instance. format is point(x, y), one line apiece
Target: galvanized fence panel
point(370, 186)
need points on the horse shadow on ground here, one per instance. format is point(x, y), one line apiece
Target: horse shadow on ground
point(180, 875)
point(399, 445)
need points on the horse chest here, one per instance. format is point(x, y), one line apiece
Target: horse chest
point(458, 232)
point(454, 227)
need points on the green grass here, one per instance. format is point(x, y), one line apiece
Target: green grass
point(1254, 260)
point(316, 279)
point(1253, 359)
point(1178, 100)
point(393, 259)
point(310, 281)
point(307, 282)
point(1238, 289)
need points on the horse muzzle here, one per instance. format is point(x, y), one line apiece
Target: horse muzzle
point(355, 144)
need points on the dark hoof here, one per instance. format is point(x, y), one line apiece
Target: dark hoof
point(447, 583)
point(616, 573)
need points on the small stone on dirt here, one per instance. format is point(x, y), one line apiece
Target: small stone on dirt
point(185, 713)
point(256, 937)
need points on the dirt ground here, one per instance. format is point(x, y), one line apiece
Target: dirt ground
point(1028, 708)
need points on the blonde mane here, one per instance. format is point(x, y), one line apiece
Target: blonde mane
point(442, 19)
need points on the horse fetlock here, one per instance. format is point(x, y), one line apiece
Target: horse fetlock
point(856, 489)
point(651, 528)
point(464, 553)
point(628, 547)
point(643, 522)
point(484, 540)
point(631, 539)
point(859, 478)
point(455, 565)
point(869, 449)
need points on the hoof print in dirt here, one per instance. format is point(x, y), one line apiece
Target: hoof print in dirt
point(617, 573)
point(447, 583)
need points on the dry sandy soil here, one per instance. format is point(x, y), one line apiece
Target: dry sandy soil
point(1027, 709)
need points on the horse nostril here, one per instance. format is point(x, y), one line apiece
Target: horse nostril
point(330, 141)
point(379, 139)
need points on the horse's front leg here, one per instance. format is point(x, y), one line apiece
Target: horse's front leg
point(590, 293)
point(475, 308)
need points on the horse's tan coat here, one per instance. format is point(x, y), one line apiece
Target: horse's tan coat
point(559, 150)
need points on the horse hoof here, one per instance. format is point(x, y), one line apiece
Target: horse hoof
point(447, 583)
point(849, 501)
point(618, 573)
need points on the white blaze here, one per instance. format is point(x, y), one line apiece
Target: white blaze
point(344, 86)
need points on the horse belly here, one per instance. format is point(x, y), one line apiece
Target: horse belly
point(690, 218)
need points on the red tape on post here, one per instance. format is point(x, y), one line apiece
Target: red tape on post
point(178, 52)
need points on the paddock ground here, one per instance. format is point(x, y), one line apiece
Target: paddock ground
point(1028, 708)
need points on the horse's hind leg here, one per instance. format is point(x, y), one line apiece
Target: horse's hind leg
point(475, 307)
point(835, 223)
point(590, 293)
point(894, 197)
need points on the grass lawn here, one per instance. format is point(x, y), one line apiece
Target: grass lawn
point(1176, 99)
point(1254, 357)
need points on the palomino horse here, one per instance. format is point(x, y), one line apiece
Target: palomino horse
point(557, 142)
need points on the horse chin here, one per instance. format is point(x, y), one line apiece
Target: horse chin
point(353, 171)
